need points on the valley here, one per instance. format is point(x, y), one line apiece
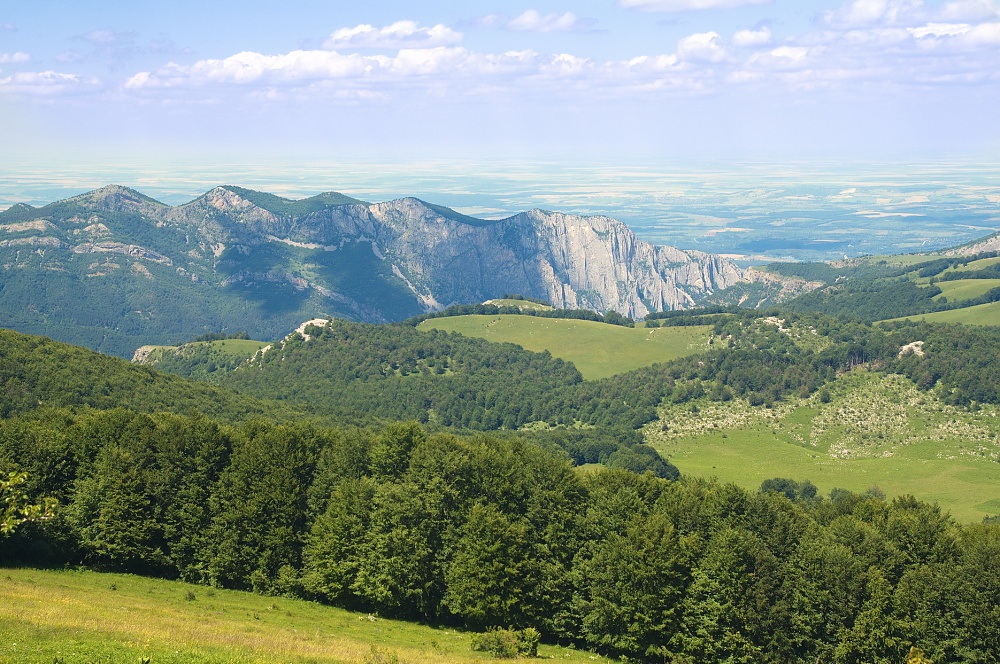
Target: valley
point(563, 464)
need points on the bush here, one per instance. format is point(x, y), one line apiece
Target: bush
point(508, 643)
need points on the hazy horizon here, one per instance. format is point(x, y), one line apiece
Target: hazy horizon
point(761, 211)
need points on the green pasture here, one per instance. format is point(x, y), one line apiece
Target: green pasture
point(597, 349)
point(980, 264)
point(80, 616)
point(965, 289)
point(980, 314)
point(875, 431)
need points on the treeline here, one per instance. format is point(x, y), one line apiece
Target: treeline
point(609, 317)
point(871, 301)
point(477, 532)
point(936, 267)
point(960, 361)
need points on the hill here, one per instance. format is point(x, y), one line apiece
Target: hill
point(597, 350)
point(113, 269)
point(864, 430)
point(37, 372)
point(889, 288)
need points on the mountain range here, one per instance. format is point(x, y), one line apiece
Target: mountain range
point(113, 269)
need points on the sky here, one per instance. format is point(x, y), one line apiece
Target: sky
point(110, 81)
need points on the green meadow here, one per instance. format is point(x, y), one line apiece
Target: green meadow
point(597, 349)
point(965, 289)
point(980, 314)
point(81, 616)
point(875, 431)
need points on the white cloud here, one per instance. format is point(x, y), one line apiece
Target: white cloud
point(970, 10)
point(8, 27)
point(14, 58)
point(782, 57)
point(940, 30)
point(862, 13)
point(752, 38)
point(686, 5)
point(533, 21)
point(401, 34)
point(301, 68)
point(887, 53)
point(984, 34)
point(45, 83)
point(702, 47)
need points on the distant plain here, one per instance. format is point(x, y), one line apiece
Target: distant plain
point(758, 211)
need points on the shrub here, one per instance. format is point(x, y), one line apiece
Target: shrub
point(508, 643)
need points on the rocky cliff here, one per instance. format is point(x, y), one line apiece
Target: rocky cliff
point(446, 258)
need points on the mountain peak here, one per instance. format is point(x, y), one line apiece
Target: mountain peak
point(116, 197)
point(229, 196)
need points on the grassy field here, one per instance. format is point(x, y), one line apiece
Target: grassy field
point(981, 264)
point(598, 350)
point(965, 289)
point(76, 616)
point(875, 431)
point(980, 314)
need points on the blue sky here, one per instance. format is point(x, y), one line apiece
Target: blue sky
point(596, 80)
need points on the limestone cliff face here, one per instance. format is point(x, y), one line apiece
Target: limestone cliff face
point(575, 262)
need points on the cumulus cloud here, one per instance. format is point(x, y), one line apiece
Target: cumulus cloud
point(46, 83)
point(533, 21)
point(304, 67)
point(702, 47)
point(940, 30)
point(782, 57)
point(401, 34)
point(14, 58)
point(752, 38)
point(686, 5)
point(884, 43)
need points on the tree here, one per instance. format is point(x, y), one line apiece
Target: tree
point(16, 507)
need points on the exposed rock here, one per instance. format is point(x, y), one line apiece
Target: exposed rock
point(989, 243)
point(124, 249)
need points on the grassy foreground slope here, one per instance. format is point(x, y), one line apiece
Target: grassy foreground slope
point(77, 616)
point(875, 430)
point(598, 350)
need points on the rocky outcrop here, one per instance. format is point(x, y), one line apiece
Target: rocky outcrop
point(986, 244)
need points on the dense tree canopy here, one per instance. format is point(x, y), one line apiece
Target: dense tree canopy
point(485, 531)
